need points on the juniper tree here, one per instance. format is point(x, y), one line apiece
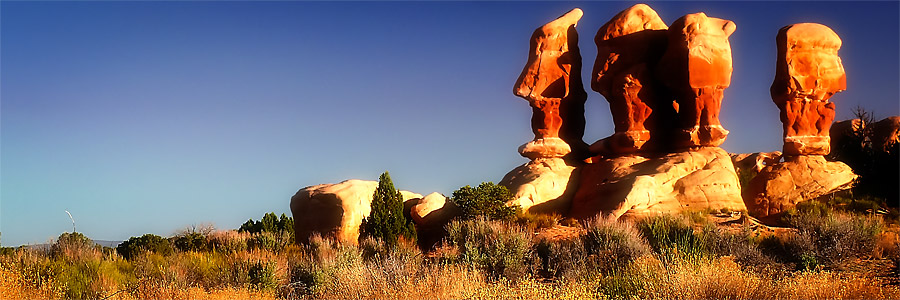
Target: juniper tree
point(387, 220)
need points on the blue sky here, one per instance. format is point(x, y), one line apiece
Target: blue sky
point(147, 117)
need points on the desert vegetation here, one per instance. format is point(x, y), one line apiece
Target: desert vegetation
point(827, 253)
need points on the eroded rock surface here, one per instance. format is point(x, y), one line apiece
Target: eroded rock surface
point(628, 48)
point(781, 186)
point(431, 214)
point(808, 72)
point(542, 185)
point(696, 68)
point(551, 82)
point(335, 210)
point(634, 186)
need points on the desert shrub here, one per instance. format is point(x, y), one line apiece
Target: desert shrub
point(537, 221)
point(228, 241)
point(827, 239)
point(283, 225)
point(486, 200)
point(672, 235)
point(148, 242)
point(262, 275)
point(614, 243)
point(74, 246)
point(743, 247)
point(387, 220)
point(264, 240)
point(498, 248)
point(191, 241)
point(562, 259)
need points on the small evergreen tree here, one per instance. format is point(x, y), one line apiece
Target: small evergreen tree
point(488, 200)
point(387, 220)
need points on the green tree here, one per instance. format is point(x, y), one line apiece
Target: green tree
point(387, 220)
point(269, 223)
point(148, 242)
point(488, 200)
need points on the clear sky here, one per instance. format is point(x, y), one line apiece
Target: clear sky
point(147, 117)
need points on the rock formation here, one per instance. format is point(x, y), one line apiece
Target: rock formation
point(755, 162)
point(542, 185)
point(780, 187)
point(551, 82)
point(886, 134)
point(335, 210)
point(633, 186)
point(696, 68)
point(430, 214)
point(628, 48)
point(808, 72)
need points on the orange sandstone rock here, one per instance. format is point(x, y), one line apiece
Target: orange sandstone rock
point(635, 186)
point(696, 68)
point(335, 210)
point(781, 186)
point(808, 72)
point(628, 46)
point(551, 82)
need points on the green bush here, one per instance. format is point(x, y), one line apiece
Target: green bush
point(148, 242)
point(487, 200)
point(498, 248)
point(191, 241)
point(387, 220)
point(269, 223)
point(673, 235)
point(828, 239)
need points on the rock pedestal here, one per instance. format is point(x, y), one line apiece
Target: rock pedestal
point(551, 82)
point(808, 72)
point(542, 185)
point(781, 186)
point(634, 186)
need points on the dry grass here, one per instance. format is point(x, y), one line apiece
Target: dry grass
point(328, 270)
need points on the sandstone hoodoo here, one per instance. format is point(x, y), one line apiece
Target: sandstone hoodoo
point(335, 210)
point(808, 72)
point(696, 68)
point(551, 82)
point(665, 87)
point(628, 48)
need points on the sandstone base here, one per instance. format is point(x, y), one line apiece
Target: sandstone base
point(635, 186)
point(541, 185)
point(781, 186)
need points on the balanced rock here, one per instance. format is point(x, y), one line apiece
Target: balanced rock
point(781, 186)
point(335, 210)
point(696, 68)
point(551, 82)
point(628, 47)
point(544, 185)
point(634, 186)
point(808, 72)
